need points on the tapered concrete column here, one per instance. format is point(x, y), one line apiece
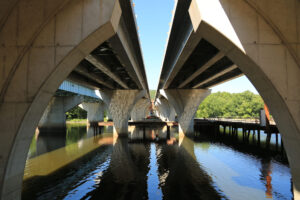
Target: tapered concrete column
point(95, 111)
point(185, 103)
point(140, 109)
point(165, 110)
point(54, 117)
point(120, 104)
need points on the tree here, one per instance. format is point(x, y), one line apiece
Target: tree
point(231, 105)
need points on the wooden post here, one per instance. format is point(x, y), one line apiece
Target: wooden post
point(168, 132)
point(268, 139)
point(258, 136)
point(276, 142)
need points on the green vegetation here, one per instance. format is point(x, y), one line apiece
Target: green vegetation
point(228, 105)
point(76, 113)
point(152, 94)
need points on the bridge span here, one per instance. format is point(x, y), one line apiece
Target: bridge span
point(95, 44)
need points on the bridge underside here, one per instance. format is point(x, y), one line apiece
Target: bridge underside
point(92, 43)
point(215, 41)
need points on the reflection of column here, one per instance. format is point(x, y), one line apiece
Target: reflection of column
point(54, 117)
point(185, 103)
point(136, 133)
point(120, 104)
point(126, 176)
point(47, 142)
point(162, 132)
point(180, 174)
point(266, 172)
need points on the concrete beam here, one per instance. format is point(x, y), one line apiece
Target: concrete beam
point(98, 63)
point(84, 72)
point(201, 69)
point(221, 73)
point(185, 103)
point(79, 79)
point(123, 37)
point(120, 104)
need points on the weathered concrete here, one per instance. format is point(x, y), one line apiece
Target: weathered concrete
point(185, 103)
point(165, 111)
point(41, 43)
point(95, 111)
point(54, 117)
point(120, 104)
point(140, 110)
point(262, 39)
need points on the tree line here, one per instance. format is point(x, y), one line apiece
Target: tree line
point(220, 104)
point(231, 105)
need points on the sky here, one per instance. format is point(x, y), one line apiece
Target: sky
point(154, 19)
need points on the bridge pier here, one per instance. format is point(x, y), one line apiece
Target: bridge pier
point(120, 104)
point(166, 111)
point(139, 111)
point(185, 103)
point(54, 117)
point(95, 111)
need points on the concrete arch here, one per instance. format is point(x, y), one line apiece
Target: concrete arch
point(44, 46)
point(241, 33)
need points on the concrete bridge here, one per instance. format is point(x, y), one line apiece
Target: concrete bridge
point(95, 43)
point(217, 40)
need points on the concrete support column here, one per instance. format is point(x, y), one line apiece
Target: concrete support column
point(140, 110)
point(54, 117)
point(165, 111)
point(95, 111)
point(185, 103)
point(120, 104)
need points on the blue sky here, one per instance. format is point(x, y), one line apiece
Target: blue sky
point(154, 19)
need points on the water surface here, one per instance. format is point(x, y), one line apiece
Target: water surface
point(82, 165)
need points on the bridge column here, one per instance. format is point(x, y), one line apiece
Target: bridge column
point(139, 111)
point(120, 104)
point(166, 111)
point(185, 103)
point(54, 117)
point(95, 111)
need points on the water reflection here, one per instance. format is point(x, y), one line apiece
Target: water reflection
point(126, 176)
point(150, 164)
point(181, 175)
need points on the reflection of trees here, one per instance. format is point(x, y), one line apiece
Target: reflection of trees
point(180, 174)
point(75, 133)
point(126, 177)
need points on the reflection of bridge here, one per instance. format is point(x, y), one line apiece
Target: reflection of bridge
point(99, 48)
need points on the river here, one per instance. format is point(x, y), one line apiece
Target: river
point(83, 165)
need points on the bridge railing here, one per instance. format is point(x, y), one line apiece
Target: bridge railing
point(242, 120)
